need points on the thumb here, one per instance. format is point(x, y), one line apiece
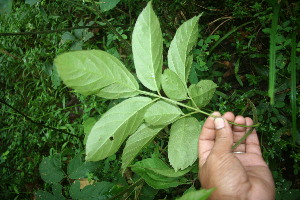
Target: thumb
point(224, 136)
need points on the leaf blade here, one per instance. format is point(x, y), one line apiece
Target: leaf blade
point(147, 170)
point(185, 38)
point(162, 113)
point(182, 147)
point(202, 92)
point(147, 46)
point(202, 194)
point(173, 86)
point(78, 169)
point(114, 127)
point(136, 142)
point(96, 72)
point(50, 169)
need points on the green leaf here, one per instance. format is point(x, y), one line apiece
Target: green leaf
point(162, 113)
point(31, 2)
point(114, 127)
point(107, 5)
point(50, 169)
point(188, 66)
point(183, 142)
point(173, 87)
point(96, 72)
point(148, 193)
point(171, 173)
point(67, 37)
point(77, 169)
point(136, 142)
point(197, 195)
point(202, 92)
point(147, 170)
point(184, 40)
point(43, 195)
point(5, 6)
point(75, 190)
point(87, 127)
point(97, 191)
point(147, 47)
point(57, 191)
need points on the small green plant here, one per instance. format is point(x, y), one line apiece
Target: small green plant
point(51, 171)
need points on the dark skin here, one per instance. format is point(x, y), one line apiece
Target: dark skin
point(242, 175)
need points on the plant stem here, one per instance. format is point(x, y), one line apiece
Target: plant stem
point(243, 138)
point(173, 102)
point(189, 114)
point(188, 107)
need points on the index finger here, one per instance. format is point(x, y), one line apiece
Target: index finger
point(207, 138)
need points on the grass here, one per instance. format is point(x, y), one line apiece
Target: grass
point(293, 88)
point(272, 70)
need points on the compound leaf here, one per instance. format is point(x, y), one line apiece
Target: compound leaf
point(114, 127)
point(185, 38)
point(78, 169)
point(162, 113)
point(202, 92)
point(147, 170)
point(96, 72)
point(173, 87)
point(182, 147)
point(50, 169)
point(137, 141)
point(147, 46)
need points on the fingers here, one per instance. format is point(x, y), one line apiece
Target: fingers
point(224, 136)
point(208, 135)
point(207, 138)
point(252, 142)
point(238, 133)
point(229, 116)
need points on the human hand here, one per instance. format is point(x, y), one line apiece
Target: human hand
point(242, 175)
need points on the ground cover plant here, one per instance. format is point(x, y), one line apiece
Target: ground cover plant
point(45, 126)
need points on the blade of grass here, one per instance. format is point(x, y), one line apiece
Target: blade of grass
point(255, 120)
point(236, 70)
point(227, 35)
point(293, 87)
point(272, 57)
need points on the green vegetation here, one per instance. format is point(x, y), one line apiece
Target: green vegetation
point(45, 126)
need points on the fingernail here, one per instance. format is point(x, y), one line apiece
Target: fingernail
point(219, 123)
